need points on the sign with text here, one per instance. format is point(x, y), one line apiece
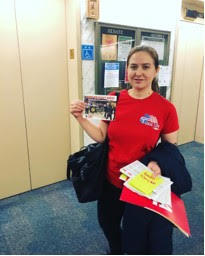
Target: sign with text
point(111, 76)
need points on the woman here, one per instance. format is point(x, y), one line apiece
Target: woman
point(142, 117)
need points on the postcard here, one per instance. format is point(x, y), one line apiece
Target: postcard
point(100, 107)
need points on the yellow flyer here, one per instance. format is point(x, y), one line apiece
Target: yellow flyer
point(145, 182)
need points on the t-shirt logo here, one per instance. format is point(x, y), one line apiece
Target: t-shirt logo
point(150, 121)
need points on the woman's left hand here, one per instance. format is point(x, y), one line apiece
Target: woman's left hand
point(155, 168)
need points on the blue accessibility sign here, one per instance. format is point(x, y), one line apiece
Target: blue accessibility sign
point(87, 52)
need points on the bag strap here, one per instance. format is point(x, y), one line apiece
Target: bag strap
point(68, 170)
point(118, 95)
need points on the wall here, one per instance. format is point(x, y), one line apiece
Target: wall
point(74, 67)
point(187, 79)
point(199, 134)
point(158, 14)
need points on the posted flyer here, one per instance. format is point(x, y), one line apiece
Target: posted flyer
point(111, 77)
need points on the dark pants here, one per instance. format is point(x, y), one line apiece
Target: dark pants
point(143, 231)
point(149, 233)
point(110, 212)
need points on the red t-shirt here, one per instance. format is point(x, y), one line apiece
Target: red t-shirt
point(136, 129)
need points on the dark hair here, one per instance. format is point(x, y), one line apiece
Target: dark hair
point(153, 54)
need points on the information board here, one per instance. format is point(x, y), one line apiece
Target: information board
point(112, 45)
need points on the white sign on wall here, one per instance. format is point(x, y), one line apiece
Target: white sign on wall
point(111, 78)
point(156, 43)
point(164, 76)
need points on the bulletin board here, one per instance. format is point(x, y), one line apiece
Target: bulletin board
point(112, 45)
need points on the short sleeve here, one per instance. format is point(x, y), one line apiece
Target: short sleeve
point(171, 120)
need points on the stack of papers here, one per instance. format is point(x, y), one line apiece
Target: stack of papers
point(139, 179)
point(154, 194)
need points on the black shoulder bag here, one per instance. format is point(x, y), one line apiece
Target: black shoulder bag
point(86, 169)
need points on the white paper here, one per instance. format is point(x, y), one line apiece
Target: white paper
point(156, 43)
point(161, 194)
point(164, 76)
point(111, 77)
point(124, 46)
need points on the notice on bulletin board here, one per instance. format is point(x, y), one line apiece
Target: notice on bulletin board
point(109, 47)
point(124, 46)
point(156, 43)
point(111, 76)
point(164, 76)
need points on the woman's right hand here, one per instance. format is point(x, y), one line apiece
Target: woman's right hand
point(76, 108)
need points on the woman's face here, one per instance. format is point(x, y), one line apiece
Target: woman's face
point(141, 70)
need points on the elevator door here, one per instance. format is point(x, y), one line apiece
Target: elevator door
point(34, 100)
point(14, 164)
point(42, 41)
